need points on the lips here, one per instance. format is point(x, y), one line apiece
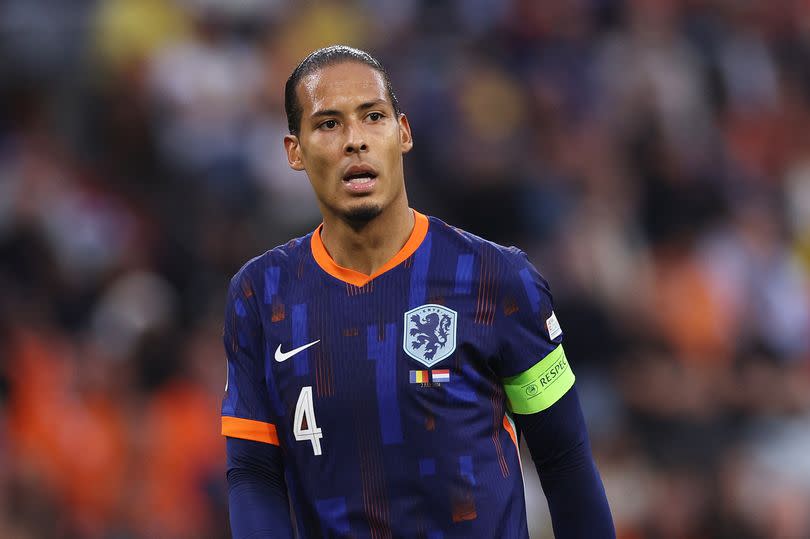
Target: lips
point(359, 174)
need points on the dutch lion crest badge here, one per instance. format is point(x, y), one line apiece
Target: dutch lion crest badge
point(430, 333)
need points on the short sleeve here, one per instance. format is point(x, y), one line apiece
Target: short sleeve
point(531, 360)
point(245, 406)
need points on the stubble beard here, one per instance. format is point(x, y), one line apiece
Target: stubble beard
point(363, 214)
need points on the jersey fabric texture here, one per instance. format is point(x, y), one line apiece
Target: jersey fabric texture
point(390, 395)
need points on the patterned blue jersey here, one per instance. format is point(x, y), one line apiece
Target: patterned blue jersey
point(390, 395)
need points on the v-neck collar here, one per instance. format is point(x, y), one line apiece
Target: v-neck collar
point(356, 278)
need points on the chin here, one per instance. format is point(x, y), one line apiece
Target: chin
point(363, 213)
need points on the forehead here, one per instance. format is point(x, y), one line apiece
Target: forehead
point(341, 85)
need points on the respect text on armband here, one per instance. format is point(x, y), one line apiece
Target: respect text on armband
point(546, 378)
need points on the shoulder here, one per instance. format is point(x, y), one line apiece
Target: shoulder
point(509, 260)
point(272, 265)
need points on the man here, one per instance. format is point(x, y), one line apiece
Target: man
point(377, 366)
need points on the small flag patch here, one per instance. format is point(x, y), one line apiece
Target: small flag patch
point(419, 377)
point(441, 375)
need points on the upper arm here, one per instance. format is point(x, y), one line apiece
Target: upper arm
point(246, 410)
point(531, 362)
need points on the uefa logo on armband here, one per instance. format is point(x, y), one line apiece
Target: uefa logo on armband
point(430, 333)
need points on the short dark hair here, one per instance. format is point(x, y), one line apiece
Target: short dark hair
point(321, 58)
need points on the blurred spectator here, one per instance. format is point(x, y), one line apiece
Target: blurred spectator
point(652, 157)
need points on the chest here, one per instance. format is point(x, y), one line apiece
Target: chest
point(373, 356)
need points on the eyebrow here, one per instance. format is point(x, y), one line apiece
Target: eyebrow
point(363, 106)
point(371, 104)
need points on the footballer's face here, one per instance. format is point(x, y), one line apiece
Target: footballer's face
point(350, 142)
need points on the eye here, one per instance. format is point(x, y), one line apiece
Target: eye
point(375, 116)
point(329, 124)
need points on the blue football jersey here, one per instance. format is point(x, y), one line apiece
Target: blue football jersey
point(391, 395)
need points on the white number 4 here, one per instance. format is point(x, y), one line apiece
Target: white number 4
point(304, 411)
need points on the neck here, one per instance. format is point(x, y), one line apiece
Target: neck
point(367, 248)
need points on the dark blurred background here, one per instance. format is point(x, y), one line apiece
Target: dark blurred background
point(652, 157)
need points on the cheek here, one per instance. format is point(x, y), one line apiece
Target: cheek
point(394, 150)
point(323, 158)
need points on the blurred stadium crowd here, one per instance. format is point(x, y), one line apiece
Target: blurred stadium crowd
point(652, 156)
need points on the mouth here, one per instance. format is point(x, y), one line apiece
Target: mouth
point(359, 178)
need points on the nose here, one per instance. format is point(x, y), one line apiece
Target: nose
point(355, 140)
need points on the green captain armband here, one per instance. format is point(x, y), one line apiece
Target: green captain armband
point(541, 386)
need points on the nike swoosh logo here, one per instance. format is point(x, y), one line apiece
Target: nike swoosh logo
point(284, 356)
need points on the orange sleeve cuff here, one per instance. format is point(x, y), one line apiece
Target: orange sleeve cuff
point(248, 429)
point(508, 426)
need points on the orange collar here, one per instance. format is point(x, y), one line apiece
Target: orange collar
point(420, 228)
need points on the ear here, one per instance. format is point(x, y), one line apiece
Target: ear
point(405, 138)
point(293, 147)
